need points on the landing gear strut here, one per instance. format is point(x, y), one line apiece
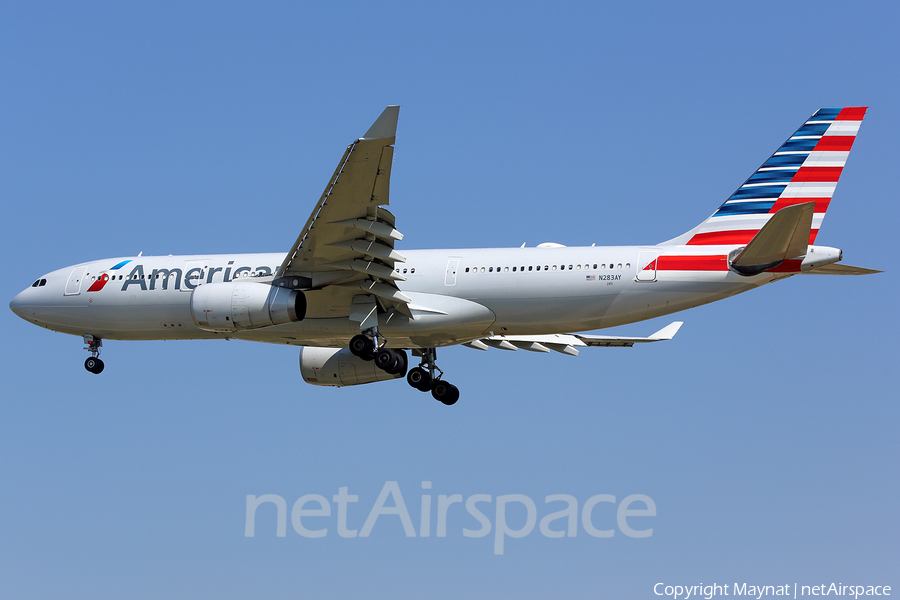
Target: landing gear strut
point(428, 377)
point(93, 363)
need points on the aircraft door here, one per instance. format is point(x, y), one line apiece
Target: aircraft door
point(452, 267)
point(647, 266)
point(73, 285)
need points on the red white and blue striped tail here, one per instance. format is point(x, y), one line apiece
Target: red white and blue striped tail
point(806, 168)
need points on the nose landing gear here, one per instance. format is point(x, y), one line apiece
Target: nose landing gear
point(93, 363)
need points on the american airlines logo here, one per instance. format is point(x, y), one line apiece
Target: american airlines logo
point(176, 278)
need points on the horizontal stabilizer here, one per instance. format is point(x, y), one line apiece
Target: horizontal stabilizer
point(839, 269)
point(785, 235)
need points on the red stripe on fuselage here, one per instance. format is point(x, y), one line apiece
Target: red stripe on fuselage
point(692, 263)
point(717, 263)
point(788, 266)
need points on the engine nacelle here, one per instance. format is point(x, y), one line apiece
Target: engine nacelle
point(338, 367)
point(242, 305)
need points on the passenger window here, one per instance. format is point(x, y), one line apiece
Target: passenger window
point(482, 269)
point(554, 267)
point(620, 265)
point(578, 267)
point(529, 268)
point(467, 269)
point(539, 267)
point(570, 267)
point(413, 270)
point(506, 269)
point(514, 269)
point(627, 265)
point(490, 269)
point(522, 268)
point(404, 271)
point(595, 266)
point(545, 267)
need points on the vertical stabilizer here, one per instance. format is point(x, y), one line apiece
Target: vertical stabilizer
point(806, 168)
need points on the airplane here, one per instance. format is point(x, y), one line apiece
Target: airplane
point(355, 304)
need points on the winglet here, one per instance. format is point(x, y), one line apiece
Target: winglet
point(385, 126)
point(667, 332)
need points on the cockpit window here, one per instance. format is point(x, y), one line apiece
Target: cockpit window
point(39, 283)
point(43, 283)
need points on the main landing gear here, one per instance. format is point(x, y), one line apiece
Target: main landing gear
point(390, 361)
point(93, 363)
point(423, 378)
point(427, 377)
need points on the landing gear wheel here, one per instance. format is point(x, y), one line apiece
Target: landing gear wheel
point(419, 378)
point(387, 360)
point(402, 363)
point(94, 365)
point(362, 347)
point(445, 392)
point(454, 396)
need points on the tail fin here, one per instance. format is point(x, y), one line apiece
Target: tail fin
point(806, 168)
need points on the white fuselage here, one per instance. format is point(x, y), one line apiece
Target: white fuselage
point(457, 295)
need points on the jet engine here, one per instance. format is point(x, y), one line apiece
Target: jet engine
point(338, 367)
point(242, 305)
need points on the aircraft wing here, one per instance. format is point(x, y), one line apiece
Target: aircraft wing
point(570, 342)
point(346, 248)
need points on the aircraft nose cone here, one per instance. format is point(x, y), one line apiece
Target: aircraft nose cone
point(18, 305)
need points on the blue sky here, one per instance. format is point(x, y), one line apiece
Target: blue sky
point(765, 432)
